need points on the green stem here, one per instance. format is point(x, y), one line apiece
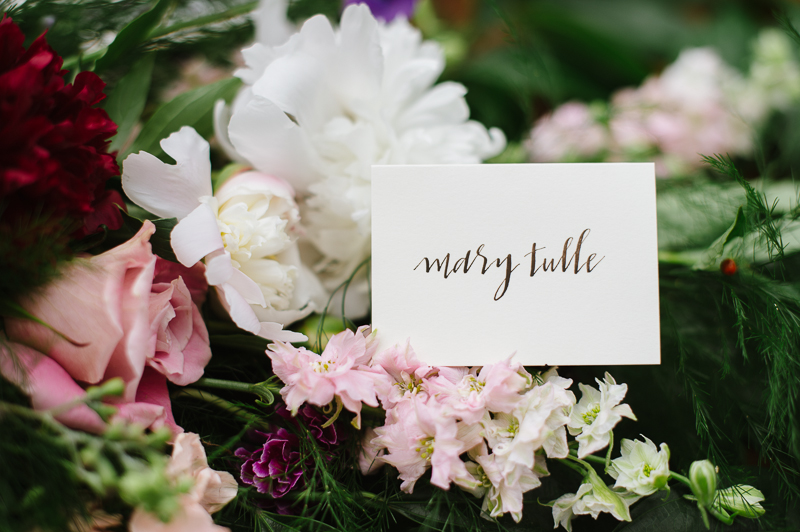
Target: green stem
point(680, 478)
point(265, 390)
point(608, 453)
point(592, 458)
point(219, 402)
point(213, 18)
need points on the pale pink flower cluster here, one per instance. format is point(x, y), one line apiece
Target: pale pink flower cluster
point(499, 416)
point(486, 429)
point(340, 373)
point(697, 106)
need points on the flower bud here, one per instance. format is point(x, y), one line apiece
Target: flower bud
point(741, 500)
point(703, 479)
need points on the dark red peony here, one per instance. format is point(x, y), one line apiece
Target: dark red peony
point(54, 160)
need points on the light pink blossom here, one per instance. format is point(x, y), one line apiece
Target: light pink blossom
point(496, 388)
point(211, 491)
point(339, 372)
point(405, 374)
point(418, 436)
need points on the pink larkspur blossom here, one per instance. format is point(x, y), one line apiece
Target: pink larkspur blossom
point(495, 388)
point(406, 374)
point(418, 436)
point(339, 372)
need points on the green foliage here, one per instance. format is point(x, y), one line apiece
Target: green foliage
point(54, 476)
point(193, 108)
point(160, 241)
point(126, 102)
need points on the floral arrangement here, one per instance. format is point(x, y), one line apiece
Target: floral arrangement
point(185, 298)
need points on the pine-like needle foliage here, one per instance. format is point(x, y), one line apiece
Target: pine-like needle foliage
point(735, 341)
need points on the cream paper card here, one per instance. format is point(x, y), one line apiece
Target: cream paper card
point(557, 263)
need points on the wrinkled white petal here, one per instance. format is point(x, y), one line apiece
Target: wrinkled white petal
point(238, 308)
point(274, 331)
point(170, 191)
point(195, 236)
point(219, 268)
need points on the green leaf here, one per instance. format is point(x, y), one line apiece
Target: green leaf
point(723, 244)
point(160, 240)
point(126, 103)
point(193, 108)
point(133, 35)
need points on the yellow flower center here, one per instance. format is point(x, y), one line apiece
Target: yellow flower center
point(590, 415)
point(425, 448)
point(646, 470)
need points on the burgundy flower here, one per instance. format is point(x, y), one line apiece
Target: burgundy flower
point(54, 161)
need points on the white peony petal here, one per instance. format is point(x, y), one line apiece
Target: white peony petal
point(196, 235)
point(443, 104)
point(170, 190)
point(222, 117)
point(247, 288)
point(263, 124)
point(272, 26)
point(274, 331)
point(219, 267)
point(239, 310)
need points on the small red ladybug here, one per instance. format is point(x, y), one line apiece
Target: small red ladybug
point(728, 267)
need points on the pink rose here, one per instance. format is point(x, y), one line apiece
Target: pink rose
point(114, 322)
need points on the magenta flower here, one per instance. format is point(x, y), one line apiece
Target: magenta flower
point(338, 373)
point(276, 468)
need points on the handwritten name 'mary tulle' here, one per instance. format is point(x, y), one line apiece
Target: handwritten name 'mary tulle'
point(464, 264)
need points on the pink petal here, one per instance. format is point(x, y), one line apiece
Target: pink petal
point(196, 236)
point(47, 384)
point(86, 304)
point(194, 277)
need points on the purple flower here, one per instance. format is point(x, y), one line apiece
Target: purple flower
point(387, 9)
point(276, 468)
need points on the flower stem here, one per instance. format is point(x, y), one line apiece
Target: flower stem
point(265, 390)
point(680, 478)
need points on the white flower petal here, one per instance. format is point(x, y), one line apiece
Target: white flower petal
point(239, 310)
point(263, 124)
point(272, 26)
point(274, 331)
point(219, 268)
point(247, 288)
point(170, 191)
point(195, 236)
point(222, 117)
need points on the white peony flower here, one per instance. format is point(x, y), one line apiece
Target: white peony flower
point(597, 413)
point(642, 468)
point(325, 106)
point(245, 233)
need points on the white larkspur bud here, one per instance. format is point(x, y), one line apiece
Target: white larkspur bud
point(703, 478)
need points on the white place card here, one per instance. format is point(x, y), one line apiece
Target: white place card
point(557, 263)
